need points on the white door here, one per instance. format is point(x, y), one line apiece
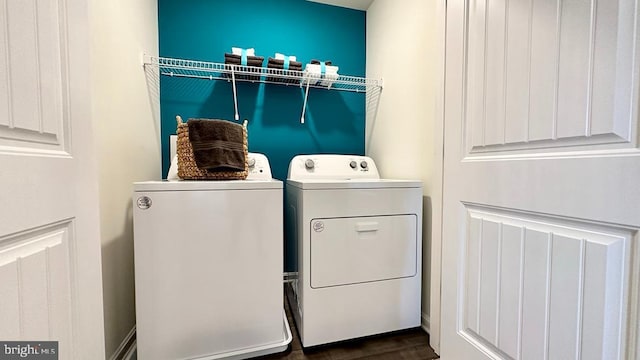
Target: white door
point(50, 275)
point(541, 180)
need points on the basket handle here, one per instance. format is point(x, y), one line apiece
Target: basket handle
point(179, 121)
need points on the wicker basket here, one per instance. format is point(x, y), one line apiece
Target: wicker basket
point(187, 168)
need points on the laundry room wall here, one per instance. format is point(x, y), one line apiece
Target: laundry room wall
point(126, 121)
point(402, 48)
point(205, 30)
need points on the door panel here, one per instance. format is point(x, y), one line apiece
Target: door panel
point(49, 230)
point(574, 69)
point(534, 296)
point(542, 40)
point(36, 298)
point(533, 285)
point(541, 206)
point(493, 72)
point(33, 87)
point(517, 58)
point(547, 74)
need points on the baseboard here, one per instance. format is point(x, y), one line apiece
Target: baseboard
point(127, 346)
point(426, 323)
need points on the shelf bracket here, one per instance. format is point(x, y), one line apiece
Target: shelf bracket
point(146, 59)
point(235, 93)
point(304, 105)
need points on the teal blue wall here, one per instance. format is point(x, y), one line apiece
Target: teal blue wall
point(206, 29)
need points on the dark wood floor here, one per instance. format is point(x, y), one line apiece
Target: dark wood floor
point(410, 344)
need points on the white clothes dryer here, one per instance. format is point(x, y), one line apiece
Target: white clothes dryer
point(359, 248)
point(208, 267)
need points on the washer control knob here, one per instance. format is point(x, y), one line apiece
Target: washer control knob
point(252, 162)
point(309, 164)
point(353, 164)
point(363, 164)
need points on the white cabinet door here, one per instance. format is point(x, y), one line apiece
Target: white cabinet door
point(49, 232)
point(541, 182)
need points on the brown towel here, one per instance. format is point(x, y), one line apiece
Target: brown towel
point(237, 59)
point(279, 64)
point(254, 65)
point(217, 144)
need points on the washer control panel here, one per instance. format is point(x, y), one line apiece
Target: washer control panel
point(259, 168)
point(338, 167)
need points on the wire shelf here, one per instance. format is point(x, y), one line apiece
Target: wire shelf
point(219, 71)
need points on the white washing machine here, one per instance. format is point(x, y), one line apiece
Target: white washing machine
point(359, 246)
point(208, 267)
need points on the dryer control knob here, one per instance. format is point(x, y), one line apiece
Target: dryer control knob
point(309, 164)
point(353, 164)
point(363, 164)
point(251, 162)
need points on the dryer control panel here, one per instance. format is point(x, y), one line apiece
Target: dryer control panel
point(334, 167)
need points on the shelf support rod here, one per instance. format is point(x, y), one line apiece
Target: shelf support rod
point(235, 95)
point(304, 105)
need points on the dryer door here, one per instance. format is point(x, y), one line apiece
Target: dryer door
point(362, 249)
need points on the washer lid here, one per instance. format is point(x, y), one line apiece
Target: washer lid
point(311, 184)
point(200, 185)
